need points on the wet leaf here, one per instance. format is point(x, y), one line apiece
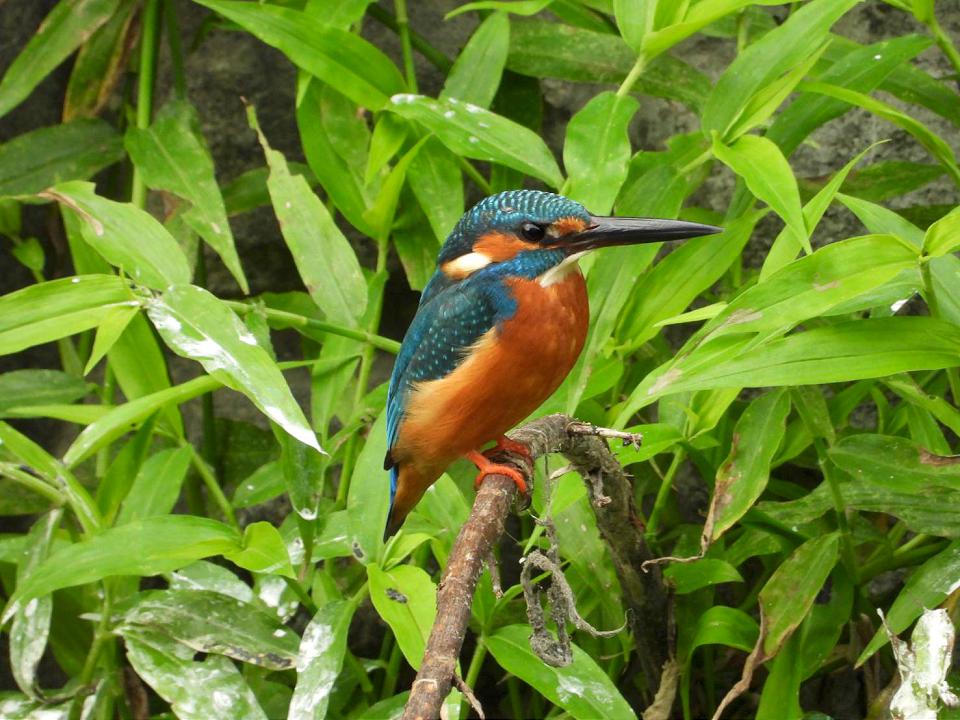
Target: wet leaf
point(473, 132)
point(172, 155)
point(262, 550)
point(198, 326)
point(203, 575)
point(319, 660)
point(211, 622)
point(476, 73)
point(195, 690)
point(582, 688)
point(35, 160)
point(125, 236)
point(742, 477)
point(165, 543)
point(369, 497)
point(406, 598)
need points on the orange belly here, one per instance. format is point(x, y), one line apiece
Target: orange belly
point(508, 374)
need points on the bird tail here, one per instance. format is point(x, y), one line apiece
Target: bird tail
point(392, 524)
point(408, 483)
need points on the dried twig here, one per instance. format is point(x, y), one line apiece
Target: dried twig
point(612, 498)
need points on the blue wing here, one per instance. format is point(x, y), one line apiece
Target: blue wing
point(450, 319)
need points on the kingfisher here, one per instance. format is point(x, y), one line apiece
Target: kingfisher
point(499, 326)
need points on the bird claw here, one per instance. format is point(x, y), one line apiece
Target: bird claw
point(488, 467)
point(518, 448)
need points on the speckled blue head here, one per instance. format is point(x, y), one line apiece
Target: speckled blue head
point(505, 212)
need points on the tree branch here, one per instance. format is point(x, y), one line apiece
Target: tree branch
point(611, 494)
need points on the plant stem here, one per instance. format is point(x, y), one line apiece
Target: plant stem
point(653, 523)
point(176, 49)
point(403, 25)
point(213, 487)
point(849, 556)
point(419, 43)
point(301, 321)
point(479, 180)
point(302, 595)
point(899, 559)
point(933, 304)
point(473, 672)
point(363, 679)
point(393, 670)
point(21, 477)
point(631, 79)
point(944, 43)
point(146, 79)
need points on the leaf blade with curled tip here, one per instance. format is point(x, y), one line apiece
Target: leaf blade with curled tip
point(479, 134)
point(126, 236)
point(198, 326)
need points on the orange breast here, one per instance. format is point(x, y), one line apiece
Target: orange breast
point(508, 374)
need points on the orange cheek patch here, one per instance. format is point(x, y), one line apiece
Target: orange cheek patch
point(500, 246)
point(569, 225)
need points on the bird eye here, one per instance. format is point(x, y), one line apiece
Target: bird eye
point(532, 232)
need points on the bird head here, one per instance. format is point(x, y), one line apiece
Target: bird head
point(502, 227)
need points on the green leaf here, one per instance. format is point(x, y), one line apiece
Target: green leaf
point(58, 308)
point(210, 622)
point(686, 578)
point(262, 550)
point(62, 31)
point(434, 176)
point(344, 60)
point(265, 483)
point(157, 485)
point(943, 236)
point(721, 625)
point(172, 155)
point(549, 49)
point(473, 132)
point(38, 159)
point(895, 463)
point(198, 326)
point(636, 19)
point(324, 258)
point(582, 688)
point(928, 587)
point(163, 543)
point(785, 247)
point(203, 575)
point(301, 472)
point(125, 236)
point(30, 254)
point(108, 332)
point(406, 598)
point(933, 143)
point(342, 182)
point(860, 68)
point(515, 7)
point(476, 73)
point(100, 65)
point(367, 501)
point(768, 175)
point(743, 476)
point(195, 690)
point(887, 179)
point(31, 623)
point(882, 346)
point(20, 388)
point(248, 190)
point(320, 659)
point(789, 593)
point(780, 50)
point(596, 151)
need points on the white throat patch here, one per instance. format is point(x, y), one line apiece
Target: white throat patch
point(559, 273)
point(466, 265)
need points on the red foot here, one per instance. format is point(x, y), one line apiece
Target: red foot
point(505, 443)
point(487, 467)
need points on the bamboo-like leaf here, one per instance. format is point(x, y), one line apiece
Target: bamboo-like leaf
point(210, 622)
point(367, 503)
point(563, 686)
point(742, 477)
point(476, 73)
point(406, 598)
point(125, 236)
point(67, 26)
point(262, 550)
point(768, 175)
point(943, 236)
point(473, 132)
point(38, 159)
point(343, 59)
point(198, 326)
point(319, 660)
point(22, 388)
point(157, 485)
point(597, 150)
point(762, 62)
point(172, 155)
point(324, 258)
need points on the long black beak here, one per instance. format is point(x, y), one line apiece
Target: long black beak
point(610, 231)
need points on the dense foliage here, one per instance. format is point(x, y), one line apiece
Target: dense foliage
point(814, 397)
